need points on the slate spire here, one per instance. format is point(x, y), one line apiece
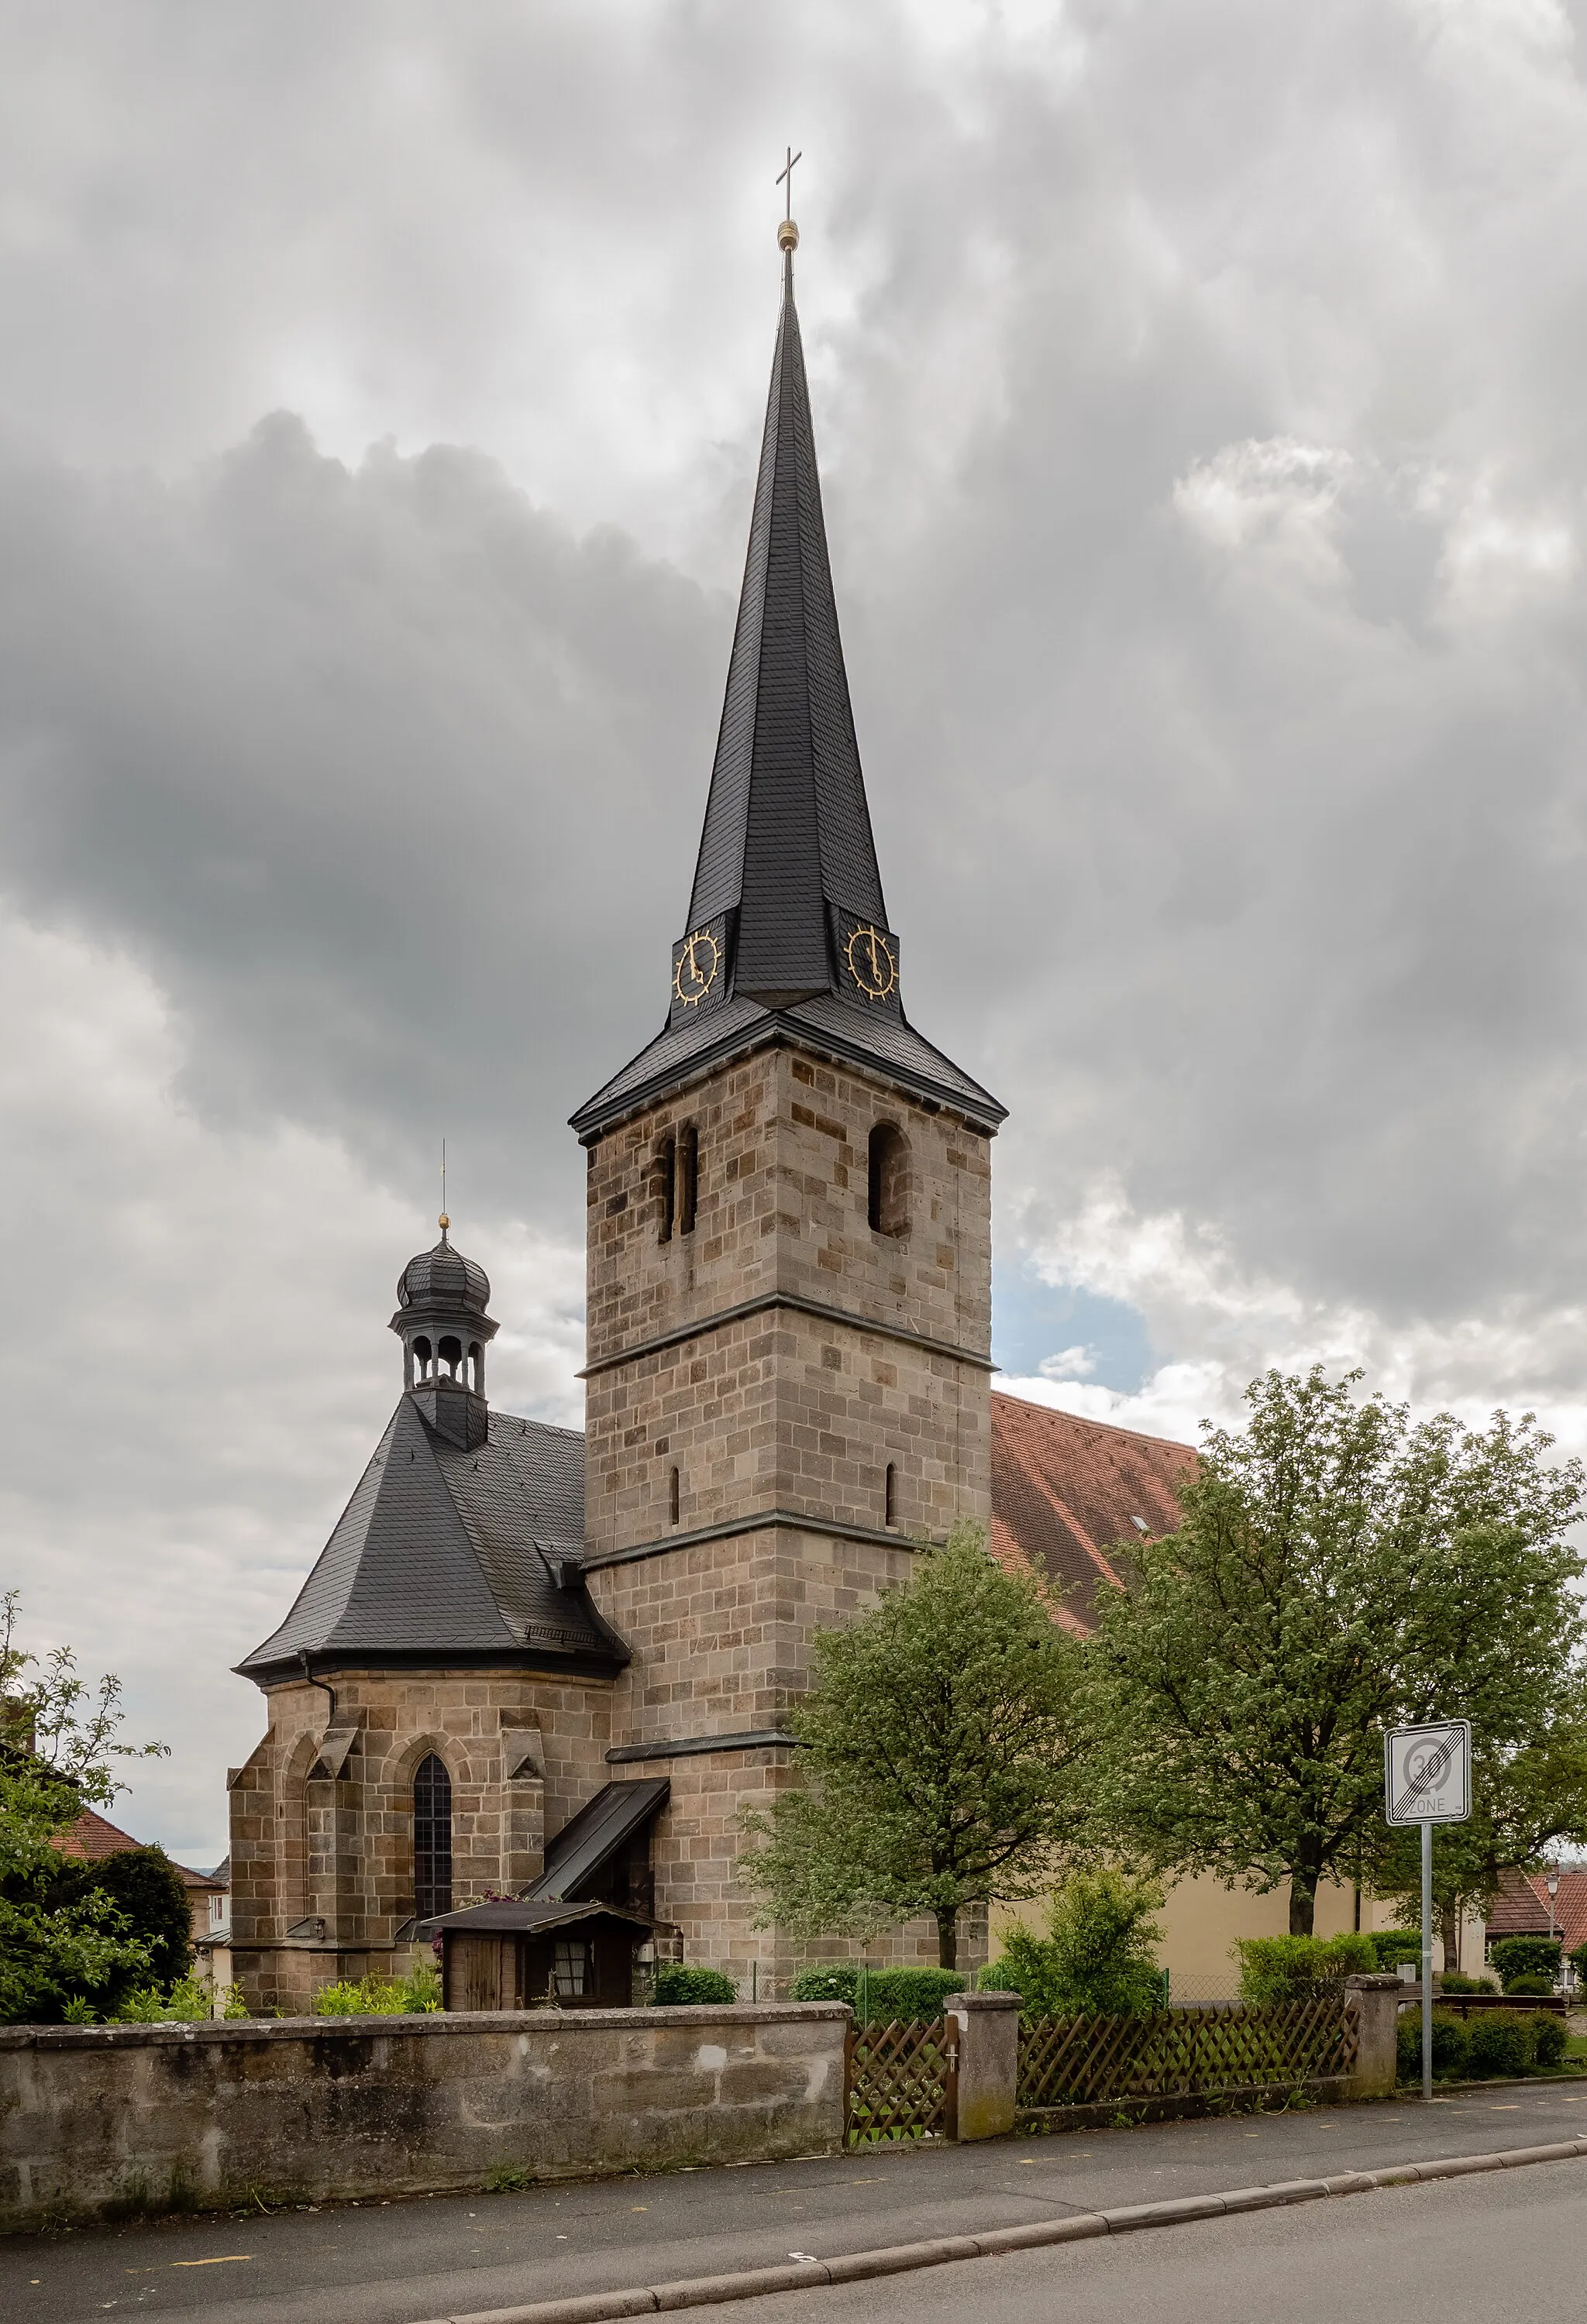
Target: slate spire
point(786, 939)
point(787, 832)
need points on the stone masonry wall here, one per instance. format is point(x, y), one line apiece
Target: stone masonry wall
point(778, 1411)
point(106, 2119)
point(309, 1847)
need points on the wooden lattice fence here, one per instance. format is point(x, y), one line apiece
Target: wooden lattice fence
point(902, 2081)
point(1184, 2052)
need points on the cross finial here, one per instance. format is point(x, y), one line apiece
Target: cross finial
point(787, 234)
point(444, 1221)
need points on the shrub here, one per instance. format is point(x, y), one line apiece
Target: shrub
point(1097, 1957)
point(1538, 1986)
point(1549, 2036)
point(1499, 2043)
point(1392, 1946)
point(1525, 1957)
point(188, 2002)
point(881, 1993)
point(680, 1987)
point(1451, 2046)
point(1454, 1982)
point(1292, 1968)
point(1578, 1960)
point(378, 1997)
point(145, 1887)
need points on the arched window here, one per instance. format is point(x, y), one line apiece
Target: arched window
point(451, 1352)
point(432, 1838)
point(887, 1203)
point(423, 1357)
point(890, 1494)
point(476, 1367)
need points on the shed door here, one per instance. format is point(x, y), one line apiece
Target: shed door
point(479, 1967)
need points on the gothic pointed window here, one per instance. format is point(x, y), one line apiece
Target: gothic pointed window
point(432, 1838)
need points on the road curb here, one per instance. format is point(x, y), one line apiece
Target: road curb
point(897, 2259)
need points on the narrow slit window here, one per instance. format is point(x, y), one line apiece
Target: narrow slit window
point(689, 1177)
point(432, 1838)
point(672, 1497)
point(890, 1493)
point(888, 1196)
point(667, 1175)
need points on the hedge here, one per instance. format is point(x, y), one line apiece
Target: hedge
point(888, 1993)
point(677, 1986)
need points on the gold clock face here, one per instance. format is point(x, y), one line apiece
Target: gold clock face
point(698, 961)
point(871, 962)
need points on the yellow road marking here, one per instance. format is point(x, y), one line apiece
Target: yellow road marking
point(224, 2260)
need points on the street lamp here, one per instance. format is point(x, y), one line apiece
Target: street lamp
point(1552, 1882)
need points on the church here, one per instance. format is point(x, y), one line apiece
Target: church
point(538, 1663)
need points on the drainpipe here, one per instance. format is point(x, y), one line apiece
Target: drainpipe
point(321, 1683)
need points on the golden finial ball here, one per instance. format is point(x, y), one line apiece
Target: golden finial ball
point(788, 235)
point(443, 1223)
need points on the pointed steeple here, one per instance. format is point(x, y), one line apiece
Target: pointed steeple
point(787, 936)
point(788, 831)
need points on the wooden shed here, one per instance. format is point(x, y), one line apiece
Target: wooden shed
point(527, 1952)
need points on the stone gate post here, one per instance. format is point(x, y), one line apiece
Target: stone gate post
point(988, 2027)
point(1374, 2002)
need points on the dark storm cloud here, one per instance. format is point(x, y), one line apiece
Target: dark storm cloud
point(387, 779)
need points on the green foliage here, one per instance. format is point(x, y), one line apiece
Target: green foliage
point(57, 1944)
point(233, 2008)
point(415, 1995)
point(1499, 2043)
point(1097, 1957)
point(186, 2003)
point(1451, 2046)
point(1338, 1572)
point(1537, 1986)
point(942, 1763)
point(1392, 1946)
point(679, 1986)
point(1289, 1968)
point(1579, 1963)
point(1549, 2035)
point(1516, 1956)
point(1454, 1982)
point(147, 1888)
point(881, 1993)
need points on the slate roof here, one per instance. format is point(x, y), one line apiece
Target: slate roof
point(597, 1832)
point(445, 1557)
point(1065, 1491)
point(787, 858)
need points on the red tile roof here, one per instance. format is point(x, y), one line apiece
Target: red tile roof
point(1520, 1909)
point(1065, 1491)
point(95, 1835)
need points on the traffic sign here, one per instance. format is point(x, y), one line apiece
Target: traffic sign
point(1427, 1773)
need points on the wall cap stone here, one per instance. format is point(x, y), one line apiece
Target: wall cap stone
point(432, 2025)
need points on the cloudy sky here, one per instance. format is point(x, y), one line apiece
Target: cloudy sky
point(1199, 387)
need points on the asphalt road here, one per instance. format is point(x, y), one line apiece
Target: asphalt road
point(1500, 2250)
point(398, 2262)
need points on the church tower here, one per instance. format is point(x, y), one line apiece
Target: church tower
point(790, 1249)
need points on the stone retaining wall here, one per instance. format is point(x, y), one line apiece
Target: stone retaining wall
point(103, 2120)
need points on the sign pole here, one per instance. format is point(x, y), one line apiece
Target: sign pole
point(1427, 1960)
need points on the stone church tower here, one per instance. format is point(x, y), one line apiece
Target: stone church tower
point(789, 1235)
point(562, 1667)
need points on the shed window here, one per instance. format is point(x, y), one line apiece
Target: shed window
point(568, 1974)
point(887, 1203)
point(432, 1838)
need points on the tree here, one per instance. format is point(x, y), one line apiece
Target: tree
point(57, 1743)
point(1525, 1801)
point(147, 1890)
point(1337, 1572)
point(941, 1762)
